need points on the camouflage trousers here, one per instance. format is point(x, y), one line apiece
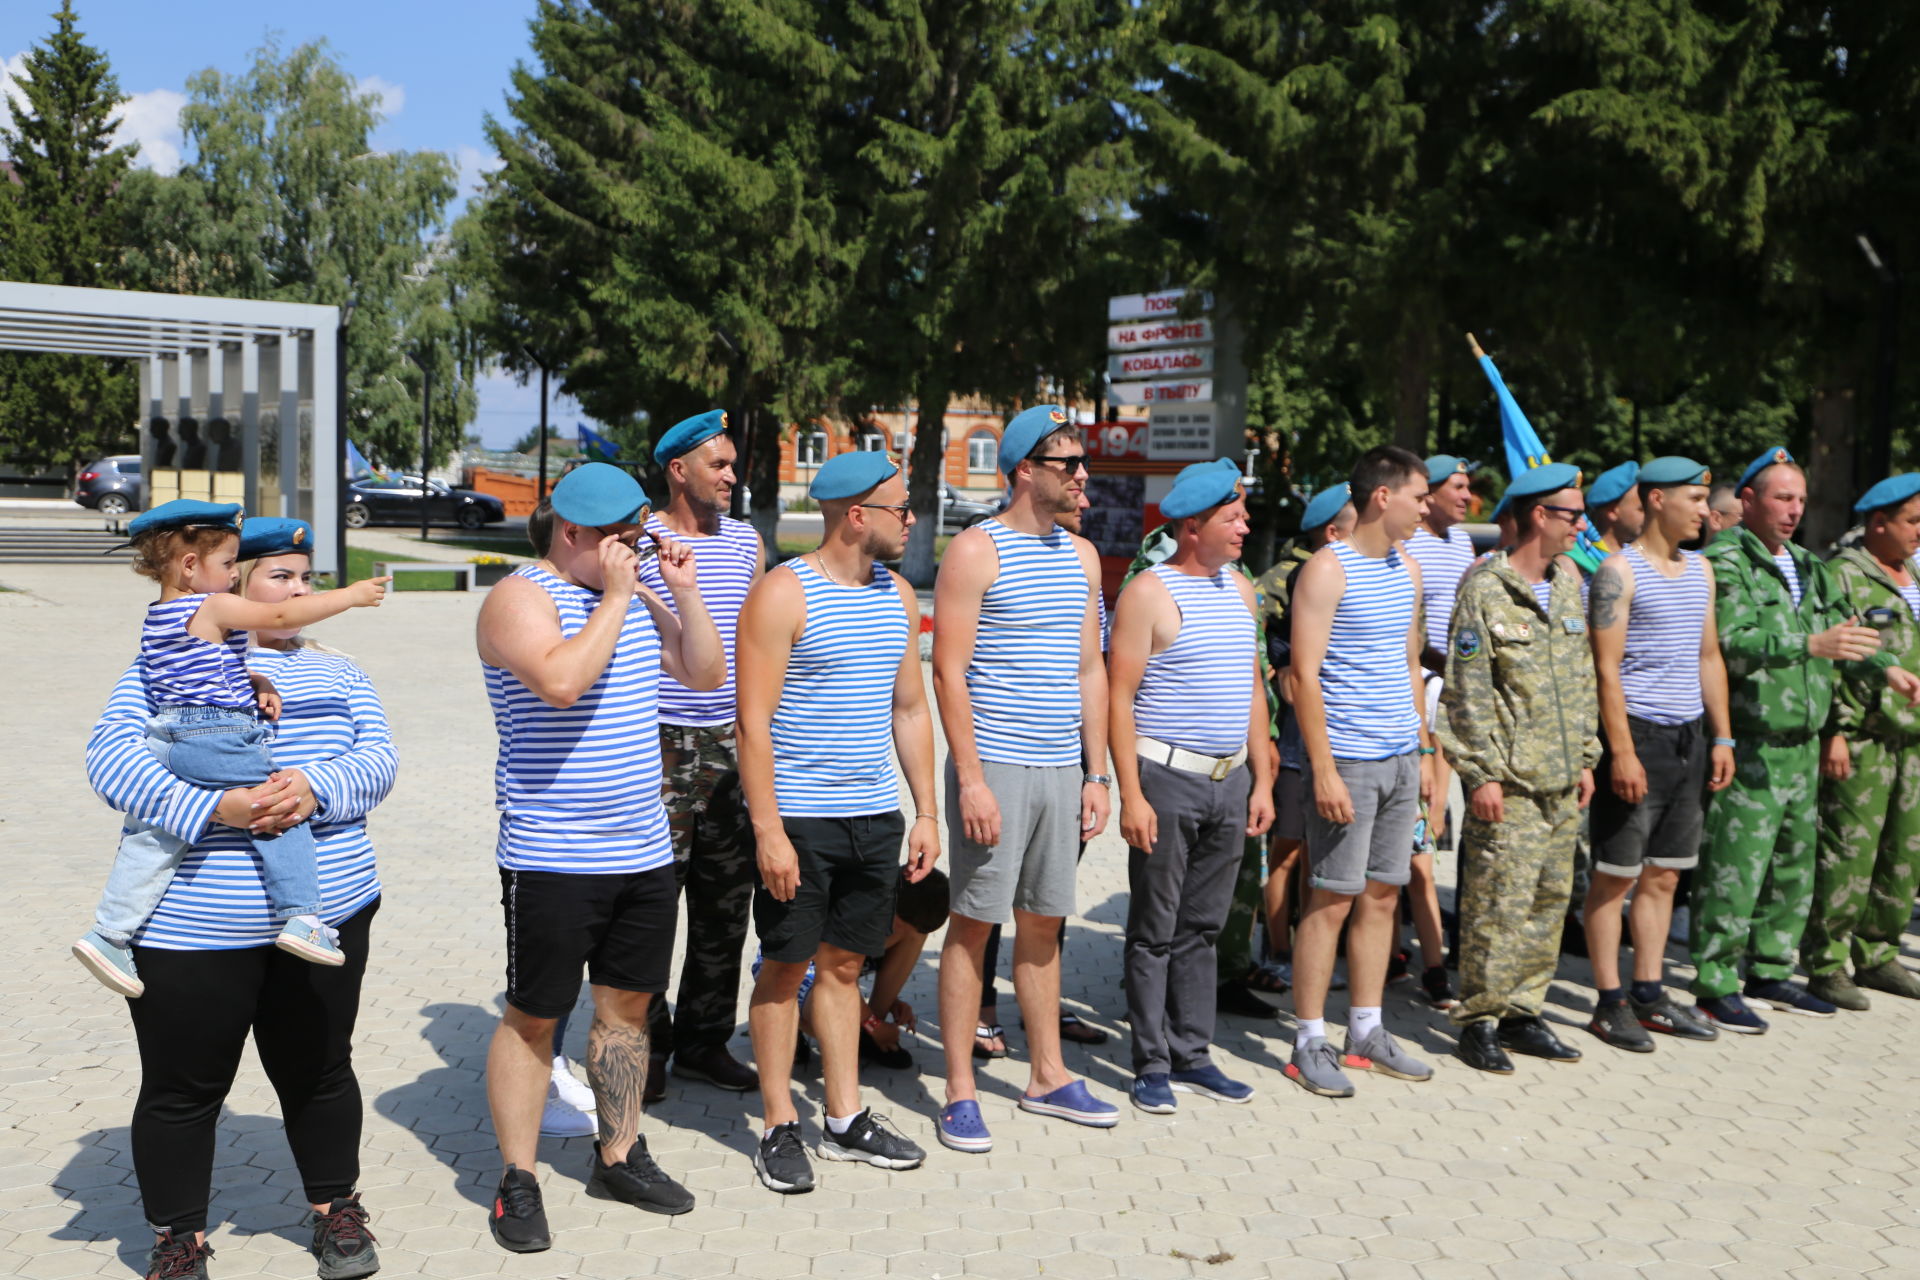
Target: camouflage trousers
point(1869, 859)
point(713, 862)
point(1754, 884)
point(1233, 954)
point(1515, 877)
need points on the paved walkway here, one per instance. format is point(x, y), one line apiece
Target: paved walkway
point(1791, 1154)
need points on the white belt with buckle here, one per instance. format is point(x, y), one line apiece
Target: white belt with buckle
point(1215, 767)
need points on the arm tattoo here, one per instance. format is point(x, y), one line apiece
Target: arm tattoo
point(617, 1069)
point(1604, 599)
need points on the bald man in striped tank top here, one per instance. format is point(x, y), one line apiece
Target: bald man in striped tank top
point(1360, 698)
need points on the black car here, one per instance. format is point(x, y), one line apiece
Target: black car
point(397, 499)
point(110, 486)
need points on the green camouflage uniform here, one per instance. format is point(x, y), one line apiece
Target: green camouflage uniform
point(1869, 847)
point(1754, 885)
point(1518, 708)
point(713, 862)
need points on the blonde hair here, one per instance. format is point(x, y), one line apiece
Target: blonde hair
point(155, 553)
point(246, 568)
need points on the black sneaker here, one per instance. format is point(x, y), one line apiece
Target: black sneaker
point(1616, 1024)
point(519, 1217)
point(1662, 1014)
point(869, 1141)
point(1437, 987)
point(898, 1058)
point(1399, 965)
point(637, 1181)
point(178, 1258)
point(342, 1242)
point(781, 1160)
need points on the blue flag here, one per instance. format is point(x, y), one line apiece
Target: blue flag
point(597, 446)
point(1525, 451)
point(357, 464)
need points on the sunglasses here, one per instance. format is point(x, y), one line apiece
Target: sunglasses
point(1574, 515)
point(1067, 462)
point(902, 511)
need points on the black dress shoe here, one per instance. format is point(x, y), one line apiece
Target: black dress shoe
point(1532, 1037)
point(1480, 1049)
point(713, 1064)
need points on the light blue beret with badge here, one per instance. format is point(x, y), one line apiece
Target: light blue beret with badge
point(275, 536)
point(1759, 464)
point(1891, 492)
point(1612, 484)
point(1201, 487)
point(1027, 429)
point(683, 436)
point(1549, 477)
point(1662, 472)
point(1442, 465)
point(1323, 506)
point(599, 494)
point(186, 513)
point(848, 475)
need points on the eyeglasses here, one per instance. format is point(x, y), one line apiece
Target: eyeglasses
point(902, 511)
point(1067, 462)
point(1574, 515)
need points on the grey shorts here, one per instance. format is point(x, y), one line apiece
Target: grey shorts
point(1378, 844)
point(1032, 868)
point(1290, 804)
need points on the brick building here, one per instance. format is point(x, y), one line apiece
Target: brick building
point(972, 447)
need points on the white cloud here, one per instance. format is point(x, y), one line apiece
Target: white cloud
point(151, 119)
point(11, 71)
point(475, 165)
point(393, 97)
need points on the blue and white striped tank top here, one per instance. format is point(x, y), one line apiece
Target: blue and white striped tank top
point(1911, 594)
point(1195, 692)
point(1783, 561)
point(579, 789)
point(833, 730)
point(1660, 667)
point(1542, 593)
point(1443, 562)
point(184, 670)
point(1364, 678)
point(1025, 676)
point(726, 563)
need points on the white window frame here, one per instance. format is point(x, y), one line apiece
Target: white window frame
point(988, 447)
point(810, 449)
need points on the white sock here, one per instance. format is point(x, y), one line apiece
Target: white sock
point(840, 1124)
point(1309, 1029)
point(1363, 1021)
point(312, 922)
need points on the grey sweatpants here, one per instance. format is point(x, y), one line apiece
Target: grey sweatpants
point(1180, 893)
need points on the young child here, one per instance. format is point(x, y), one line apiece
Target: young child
point(207, 728)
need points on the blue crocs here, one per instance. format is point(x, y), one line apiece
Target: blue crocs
point(962, 1129)
point(1073, 1102)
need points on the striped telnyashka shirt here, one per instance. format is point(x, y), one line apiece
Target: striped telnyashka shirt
point(1443, 562)
point(184, 670)
point(1911, 594)
point(1364, 679)
point(331, 728)
point(833, 729)
point(579, 789)
point(1543, 591)
point(726, 563)
point(1783, 561)
point(1660, 666)
point(1024, 679)
point(1195, 692)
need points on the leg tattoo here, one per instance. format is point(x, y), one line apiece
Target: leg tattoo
point(617, 1069)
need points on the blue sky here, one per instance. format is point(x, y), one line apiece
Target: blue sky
point(439, 65)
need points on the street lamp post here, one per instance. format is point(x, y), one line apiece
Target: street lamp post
point(1886, 359)
point(426, 438)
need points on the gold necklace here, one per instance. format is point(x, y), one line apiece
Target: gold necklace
point(820, 563)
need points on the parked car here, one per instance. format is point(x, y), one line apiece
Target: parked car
point(957, 511)
point(397, 499)
point(110, 486)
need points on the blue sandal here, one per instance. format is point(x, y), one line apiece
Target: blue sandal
point(1073, 1102)
point(962, 1129)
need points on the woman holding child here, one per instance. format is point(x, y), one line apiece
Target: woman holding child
point(209, 962)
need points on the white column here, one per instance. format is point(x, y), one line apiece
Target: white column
point(325, 463)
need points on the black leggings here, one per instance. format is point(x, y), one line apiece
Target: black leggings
point(192, 1027)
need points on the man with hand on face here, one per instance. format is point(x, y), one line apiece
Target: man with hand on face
point(1783, 624)
point(1520, 724)
point(1189, 716)
point(830, 691)
point(572, 648)
point(1869, 846)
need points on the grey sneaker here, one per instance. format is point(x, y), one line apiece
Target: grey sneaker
point(1379, 1051)
point(1617, 1025)
point(1316, 1068)
point(111, 963)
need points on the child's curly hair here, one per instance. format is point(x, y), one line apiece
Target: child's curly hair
point(155, 553)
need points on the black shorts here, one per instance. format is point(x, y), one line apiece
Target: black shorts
point(849, 873)
point(620, 927)
point(1664, 829)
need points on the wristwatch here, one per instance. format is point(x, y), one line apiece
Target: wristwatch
point(1101, 778)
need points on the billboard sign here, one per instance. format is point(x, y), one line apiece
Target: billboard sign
point(1149, 306)
point(1159, 333)
point(1167, 362)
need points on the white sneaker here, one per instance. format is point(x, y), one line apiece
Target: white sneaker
point(563, 1120)
point(568, 1087)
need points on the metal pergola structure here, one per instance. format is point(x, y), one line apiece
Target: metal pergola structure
point(266, 374)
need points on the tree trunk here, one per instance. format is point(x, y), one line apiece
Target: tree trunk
point(1829, 470)
point(763, 428)
point(926, 480)
point(1413, 385)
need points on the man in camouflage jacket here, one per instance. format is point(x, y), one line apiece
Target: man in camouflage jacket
point(1868, 863)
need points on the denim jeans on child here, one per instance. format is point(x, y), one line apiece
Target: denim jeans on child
point(209, 747)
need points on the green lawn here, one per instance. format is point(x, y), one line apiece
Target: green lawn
point(360, 565)
point(511, 543)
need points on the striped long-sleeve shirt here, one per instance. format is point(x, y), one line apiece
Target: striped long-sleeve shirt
point(332, 728)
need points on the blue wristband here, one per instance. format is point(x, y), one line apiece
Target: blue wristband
point(1724, 742)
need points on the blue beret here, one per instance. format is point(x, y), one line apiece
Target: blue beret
point(1202, 486)
point(682, 436)
point(1671, 470)
point(1760, 464)
point(598, 494)
point(1323, 506)
point(1027, 429)
point(1612, 484)
point(275, 536)
point(1549, 477)
point(1442, 465)
point(848, 475)
point(184, 512)
point(1890, 492)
